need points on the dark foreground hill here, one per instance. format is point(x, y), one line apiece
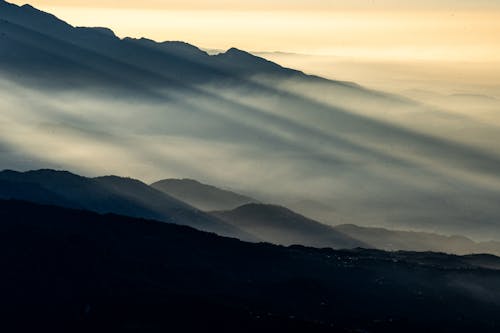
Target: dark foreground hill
point(69, 270)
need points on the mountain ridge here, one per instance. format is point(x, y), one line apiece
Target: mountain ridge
point(42, 22)
point(203, 196)
point(280, 225)
point(222, 65)
point(400, 240)
point(113, 194)
point(253, 221)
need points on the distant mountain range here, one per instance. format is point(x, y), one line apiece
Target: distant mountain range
point(280, 225)
point(77, 271)
point(174, 201)
point(394, 240)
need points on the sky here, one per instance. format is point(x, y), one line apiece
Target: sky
point(365, 28)
point(351, 34)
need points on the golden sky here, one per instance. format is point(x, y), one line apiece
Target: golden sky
point(385, 29)
point(274, 4)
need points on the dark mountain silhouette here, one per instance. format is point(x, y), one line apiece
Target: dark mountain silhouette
point(177, 211)
point(109, 195)
point(343, 136)
point(42, 42)
point(32, 192)
point(279, 225)
point(392, 240)
point(252, 222)
point(203, 196)
point(75, 271)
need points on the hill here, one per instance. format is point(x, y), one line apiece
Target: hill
point(203, 196)
point(394, 240)
point(279, 225)
point(108, 195)
point(73, 270)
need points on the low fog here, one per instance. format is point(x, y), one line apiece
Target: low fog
point(335, 152)
point(401, 75)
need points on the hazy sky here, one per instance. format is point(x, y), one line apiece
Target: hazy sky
point(390, 29)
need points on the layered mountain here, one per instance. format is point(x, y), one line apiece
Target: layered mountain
point(394, 240)
point(279, 225)
point(174, 201)
point(71, 95)
point(203, 196)
point(78, 271)
point(108, 195)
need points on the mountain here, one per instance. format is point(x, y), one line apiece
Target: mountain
point(108, 195)
point(253, 222)
point(41, 41)
point(77, 271)
point(392, 240)
point(177, 211)
point(32, 192)
point(71, 95)
point(279, 225)
point(203, 196)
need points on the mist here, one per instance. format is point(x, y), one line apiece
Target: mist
point(366, 157)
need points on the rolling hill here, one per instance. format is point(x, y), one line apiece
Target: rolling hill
point(280, 225)
point(394, 240)
point(203, 196)
point(72, 270)
point(108, 195)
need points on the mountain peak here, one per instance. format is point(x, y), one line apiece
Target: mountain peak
point(280, 225)
point(179, 49)
point(248, 63)
point(112, 179)
point(101, 30)
point(237, 52)
point(5, 3)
